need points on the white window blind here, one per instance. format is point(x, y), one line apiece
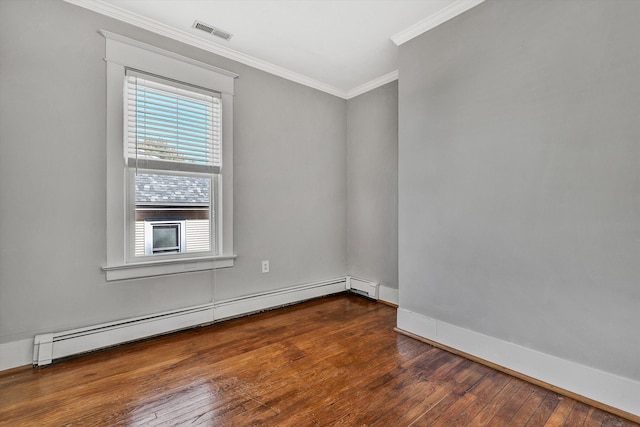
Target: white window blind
point(172, 125)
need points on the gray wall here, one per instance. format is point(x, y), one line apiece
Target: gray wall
point(289, 165)
point(519, 182)
point(372, 173)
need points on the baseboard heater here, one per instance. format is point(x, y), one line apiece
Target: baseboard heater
point(363, 287)
point(47, 347)
point(52, 346)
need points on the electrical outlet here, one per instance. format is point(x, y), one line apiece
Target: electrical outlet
point(265, 266)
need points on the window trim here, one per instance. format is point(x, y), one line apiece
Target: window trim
point(121, 53)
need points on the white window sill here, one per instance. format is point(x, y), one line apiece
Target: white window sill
point(164, 267)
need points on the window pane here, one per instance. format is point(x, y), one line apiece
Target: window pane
point(172, 124)
point(163, 198)
point(171, 190)
point(166, 237)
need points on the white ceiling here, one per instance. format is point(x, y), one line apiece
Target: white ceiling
point(343, 47)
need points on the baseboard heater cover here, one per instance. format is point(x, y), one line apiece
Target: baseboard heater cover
point(363, 287)
point(52, 346)
point(47, 347)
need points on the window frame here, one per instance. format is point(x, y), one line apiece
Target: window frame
point(122, 53)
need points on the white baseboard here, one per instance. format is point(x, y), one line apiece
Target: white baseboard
point(389, 295)
point(48, 347)
point(257, 302)
point(16, 353)
point(612, 390)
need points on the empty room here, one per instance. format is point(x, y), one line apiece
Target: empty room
point(319, 212)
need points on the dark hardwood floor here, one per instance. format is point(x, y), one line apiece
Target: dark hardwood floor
point(330, 361)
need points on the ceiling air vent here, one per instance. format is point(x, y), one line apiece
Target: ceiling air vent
point(211, 30)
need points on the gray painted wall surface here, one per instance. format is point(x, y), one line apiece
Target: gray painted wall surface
point(519, 177)
point(289, 169)
point(372, 173)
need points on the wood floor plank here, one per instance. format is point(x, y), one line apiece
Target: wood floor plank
point(492, 408)
point(542, 414)
point(418, 390)
point(528, 408)
point(594, 418)
point(405, 398)
point(560, 413)
point(462, 404)
point(512, 405)
point(429, 417)
point(423, 405)
point(333, 361)
point(486, 390)
point(578, 415)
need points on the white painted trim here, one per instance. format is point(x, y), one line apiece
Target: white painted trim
point(612, 390)
point(373, 289)
point(375, 83)
point(434, 20)
point(16, 353)
point(48, 347)
point(363, 286)
point(51, 346)
point(164, 267)
point(140, 45)
point(389, 295)
point(257, 302)
point(126, 52)
point(192, 40)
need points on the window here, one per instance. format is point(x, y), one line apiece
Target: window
point(172, 128)
point(164, 237)
point(169, 162)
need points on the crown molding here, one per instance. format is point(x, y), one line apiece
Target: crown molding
point(139, 21)
point(366, 87)
point(187, 38)
point(434, 20)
